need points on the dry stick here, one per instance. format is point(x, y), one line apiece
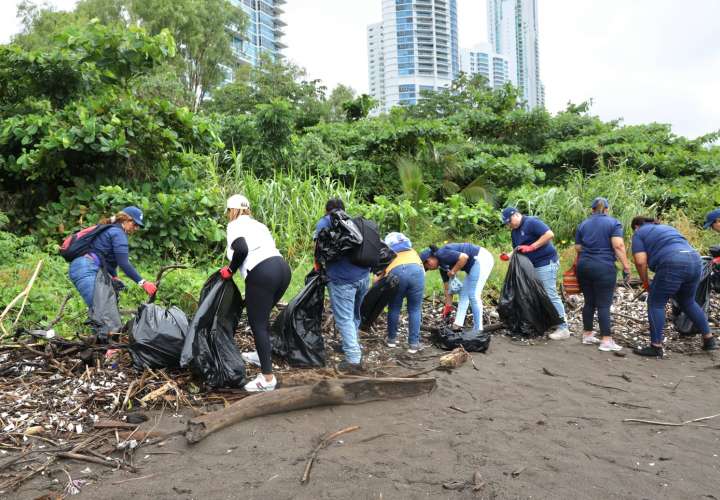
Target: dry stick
point(133, 479)
point(27, 292)
point(84, 458)
point(627, 316)
point(670, 424)
point(605, 386)
point(13, 485)
point(322, 444)
point(22, 294)
point(61, 311)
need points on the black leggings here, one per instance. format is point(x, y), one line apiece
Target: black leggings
point(265, 285)
point(597, 283)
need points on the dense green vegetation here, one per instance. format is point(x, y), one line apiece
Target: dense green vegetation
point(112, 105)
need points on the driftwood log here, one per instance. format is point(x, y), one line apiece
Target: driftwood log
point(323, 393)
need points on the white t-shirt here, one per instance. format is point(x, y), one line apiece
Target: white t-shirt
point(260, 242)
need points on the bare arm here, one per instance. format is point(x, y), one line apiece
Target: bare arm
point(642, 266)
point(544, 239)
point(618, 245)
point(462, 260)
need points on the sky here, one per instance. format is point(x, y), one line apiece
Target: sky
point(639, 60)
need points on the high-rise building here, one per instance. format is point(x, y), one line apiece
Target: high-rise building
point(513, 32)
point(419, 46)
point(264, 30)
point(483, 60)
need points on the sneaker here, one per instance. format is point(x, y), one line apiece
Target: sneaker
point(560, 333)
point(710, 344)
point(415, 348)
point(609, 346)
point(590, 339)
point(251, 358)
point(259, 384)
point(650, 351)
point(351, 368)
point(392, 344)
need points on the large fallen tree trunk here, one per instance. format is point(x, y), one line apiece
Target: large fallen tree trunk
point(323, 393)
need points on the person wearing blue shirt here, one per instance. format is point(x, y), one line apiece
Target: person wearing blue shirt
point(533, 238)
point(598, 243)
point(476, 262)
point(712, 220)
point(109, 250)
point(677, 267)
point(347, 284)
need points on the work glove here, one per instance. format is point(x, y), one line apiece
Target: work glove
point(226, 273)
point(149, 287)
point(447, 310)
point(526, 248)
point(716, 260)
point(646, 286)
point(504, 256)
point(626, 278)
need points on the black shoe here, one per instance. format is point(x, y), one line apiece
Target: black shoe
point(710, 344)
point(351, 368)
point(650, 351)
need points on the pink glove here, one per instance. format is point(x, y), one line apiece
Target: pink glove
point(150, 288)
point(526, 248)
point(226, 273)
point(504, 257)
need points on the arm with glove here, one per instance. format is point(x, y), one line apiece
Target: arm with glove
point(240, 252)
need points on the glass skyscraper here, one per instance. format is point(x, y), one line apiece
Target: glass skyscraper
point(264, 30)
point(417, 49)
point(484, 61)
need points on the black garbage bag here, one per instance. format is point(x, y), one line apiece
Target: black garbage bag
point(104, 314)
point(680, 320)
point(158, 337)
point(386, 256)
point(524, 306)
point(715, 269)
point(341, 238)
point(376, 299)
point(473, 341)
point(210, 349)
point(297, 331)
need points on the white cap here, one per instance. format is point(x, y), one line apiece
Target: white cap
point(238, 201)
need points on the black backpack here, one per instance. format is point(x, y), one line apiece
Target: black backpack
point(78, 244)
point(368, 252)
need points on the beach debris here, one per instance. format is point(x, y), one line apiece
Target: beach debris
point(324, 442)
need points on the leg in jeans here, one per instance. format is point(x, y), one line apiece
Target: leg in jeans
point(668, 279)
point(467, 295)
point(414, 293)
point(686, 298)
point(395, 305)
point(342, 301)
point(586, 280)
point(83, 272)
point(548, 277)
point(604, 292)
point(486, 262)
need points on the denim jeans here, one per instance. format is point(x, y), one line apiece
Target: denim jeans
point(411, 288)
point(597, 283)
point(345, 300)
point(471, 292)
point(679, 277)
point(548, 277)
point(83, 272)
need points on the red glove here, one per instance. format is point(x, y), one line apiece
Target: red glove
point(646, 286)
point(149, 287)
point(526, 248)
point(504, 257)
point(447, 310)
point(716, 261)
point(226, 273)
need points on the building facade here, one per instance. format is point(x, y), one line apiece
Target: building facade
point(513, 33)
point(483, 60)
point(419, 46)
point(264, 31)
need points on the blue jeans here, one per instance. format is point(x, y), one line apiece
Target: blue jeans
point(548, 277)
point(83, 272)
point(597, 283)
point(345, 300)
point(471, 293)
point(679, 277)
point(412, 287)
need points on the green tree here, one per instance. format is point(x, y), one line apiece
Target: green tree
point(338, 97)
point(358, 108)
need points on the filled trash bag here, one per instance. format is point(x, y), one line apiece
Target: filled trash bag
point(104, 314)
point(473, 341)
point(715, 269)
point(385, 257)
point(340, 239)
point(377, 299)
point(158, 336)
point(297, 331)
point(524, 306)
point(210, 349)
point(680, 320)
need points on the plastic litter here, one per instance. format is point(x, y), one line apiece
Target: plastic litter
point(210, 349)
point(340, 239)
point(473, 341)
point(455, 286)
point(158, 337)
point(524, 306)
point(376, 299)
point(297, 331)
point(682, 323)
point(104, 314)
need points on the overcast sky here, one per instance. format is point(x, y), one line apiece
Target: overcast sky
point(640, 60)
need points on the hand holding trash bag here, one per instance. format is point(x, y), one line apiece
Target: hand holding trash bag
point(526, 248)
point(149, 287)
point(226, 273)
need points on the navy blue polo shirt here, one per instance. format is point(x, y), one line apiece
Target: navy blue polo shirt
point(659, 241)
point(449, 254)
point(528, 233)
point(594, 234)
point(341, 270)
point(112, 247)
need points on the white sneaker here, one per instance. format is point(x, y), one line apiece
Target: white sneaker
point(260, 384)
point(391, 345)
point(609, 346)
point(251, 358)
point(415, 348)
point(590, 339)
point(561, 333)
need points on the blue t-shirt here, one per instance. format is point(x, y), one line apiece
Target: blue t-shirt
point(594, 234)
point(449, 254)
point(528, 233)
point(112, 247)
point(341, 270)
point(659, 242)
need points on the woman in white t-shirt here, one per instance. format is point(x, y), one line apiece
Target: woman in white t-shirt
point(251, 248)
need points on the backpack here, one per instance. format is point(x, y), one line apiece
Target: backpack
point(78, 244)
point(367, 253)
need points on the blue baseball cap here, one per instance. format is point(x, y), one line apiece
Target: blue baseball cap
point(425, 254)
point(136, 214)
point(600, 201)
point(711, 217)
point(507, 213)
